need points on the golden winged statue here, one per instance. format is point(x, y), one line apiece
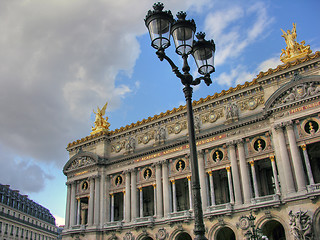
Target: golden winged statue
point(100, 123)
point(294, 50)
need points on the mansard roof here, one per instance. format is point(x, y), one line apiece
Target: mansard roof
point(231, 90)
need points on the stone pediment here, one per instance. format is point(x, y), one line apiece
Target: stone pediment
point(299, 89)
point(81, 160)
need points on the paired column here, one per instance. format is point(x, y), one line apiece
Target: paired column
point(127, 197)
point(73, 204)
point(190, 192)
point(254, 180)
point(91, 202)
point(285, 159)
point(245, 177)
point(134, 197)
point(103, 198)
point(97, 201)
point(78, 210)
point(141, 201)
point(112, 208)
point(159, 199)
point(202, 178)
point(213, 200)
point(307, 162)
point(275, 175)
point(67, 220)
point(155, 198)
point(174, 195)
point(235, 174)
point(166, 195)
point(296, 159)
point(230, 185)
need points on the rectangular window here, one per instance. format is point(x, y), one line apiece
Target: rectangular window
point(17, 231)
point(0, 227)
point(22, 232)
point(11, 231)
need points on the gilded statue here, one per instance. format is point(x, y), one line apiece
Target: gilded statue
point(100, 123)
point(293, 49)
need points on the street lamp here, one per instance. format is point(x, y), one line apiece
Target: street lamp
point(161, 26)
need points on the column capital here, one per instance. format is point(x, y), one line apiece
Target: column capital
point(140, 189)
point(210, 173)
point(288, 125)
point(158, 164)
point(164, 162)
point(240, 142)
point(201, 152)
point(154, 186)
point(272, 158)
point(278, 127)
point(127, 172)
point(228, 168)
point(111, 194)
point(173, 181)
point(251, 163)
point(189, 178)
point(231, 144)
point(304, 147)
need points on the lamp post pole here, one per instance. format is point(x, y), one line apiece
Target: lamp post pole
point(161, 26)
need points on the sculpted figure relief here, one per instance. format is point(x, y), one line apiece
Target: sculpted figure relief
point(301, 225)
point(232, 111)
point(100, 123)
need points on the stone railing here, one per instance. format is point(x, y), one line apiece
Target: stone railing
point(269, 199)
point(313, 188)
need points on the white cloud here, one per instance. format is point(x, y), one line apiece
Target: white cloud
point(60, 59)
point(230, 31)
point(60, 221)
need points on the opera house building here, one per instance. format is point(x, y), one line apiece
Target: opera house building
point(258, 148)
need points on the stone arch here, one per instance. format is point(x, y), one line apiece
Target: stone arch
point(214, 231)
point(316, 222)
point(183, 236)
point(225, 233)
point(275, 228)
point(178, 233)
point(144, 236)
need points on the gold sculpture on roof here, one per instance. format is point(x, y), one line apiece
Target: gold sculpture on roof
point(294, 50)
point(100, 124)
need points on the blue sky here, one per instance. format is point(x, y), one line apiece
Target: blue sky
point(61, 59)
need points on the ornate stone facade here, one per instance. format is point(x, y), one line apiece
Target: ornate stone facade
point(21, 218)
point(258, 149)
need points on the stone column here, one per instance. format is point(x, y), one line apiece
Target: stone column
point(212, 196)
point(307, 162)
point(285, 159)
point(103, 198)
point(97, 201)
point(202, 178)
point(254, 180)
point(141, 201)
point(166, 196)
point(127, 197)
point(245, 177)
point(235, 174)
point(67, 220)
point(112, 208)
point(124, 205)
point(73, 204)
point(134, 196)
point(174, 195)
point(230, 185)
point(275, 175)
point(91, 202)
point(78, 211)
point(155, 198)
point(190, 192)
point(159, 206)
point(296, 159)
